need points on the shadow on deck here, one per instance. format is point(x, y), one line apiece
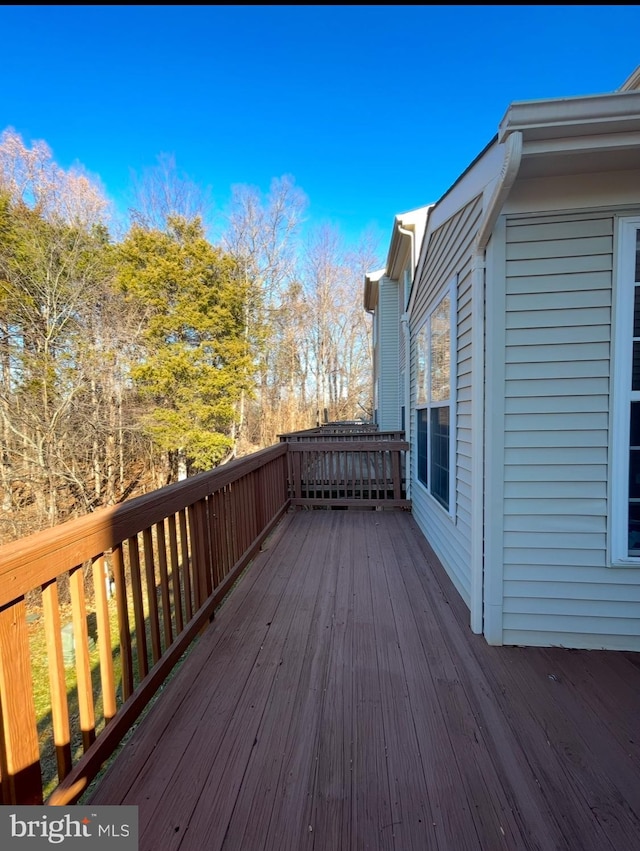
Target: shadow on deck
point(339, 701)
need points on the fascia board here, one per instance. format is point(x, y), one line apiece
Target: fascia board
point(479, 179)
point(401, 242)
point(583, 144)
point(370, 297)
point(475, 182)
point(632, 82)
point(579, 116)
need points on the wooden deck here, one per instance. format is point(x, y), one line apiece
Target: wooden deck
point(339, 702)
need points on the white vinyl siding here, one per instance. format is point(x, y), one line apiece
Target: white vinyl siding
point(448, 253)
point(558, 586)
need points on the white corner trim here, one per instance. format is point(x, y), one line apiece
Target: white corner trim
point(509, 171)
point(622, 395)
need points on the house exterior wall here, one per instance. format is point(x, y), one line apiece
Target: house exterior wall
point(550, 292)
point(388, 356)
point(448, 254)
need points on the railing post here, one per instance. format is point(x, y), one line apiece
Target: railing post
point(296, 474)
point(259, 479)
point(397, 476)
point(81, 651)
point(20, 757)
point(57, 682)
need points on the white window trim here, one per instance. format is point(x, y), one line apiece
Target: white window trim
point(622, 394)
point(451, 290)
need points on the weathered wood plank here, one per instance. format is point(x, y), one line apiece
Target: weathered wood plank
point(186, 564)
point(73, 786)
point(178, 601)
point(82, 661)
point(340, 701)
point(260, 811)
point(57, 682)
point(19, 759)
point(207, 724)
point(32, 561)
point(100, 579)
point(126, 655)
point(414, 825)
point(372, 814)
point(333, 781)
point(152, 595)
point(165, 595)
point(451, 729)
point(138, 607)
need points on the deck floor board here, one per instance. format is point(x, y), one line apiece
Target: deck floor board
point(340, 702)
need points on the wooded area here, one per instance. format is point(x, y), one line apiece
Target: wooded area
point(129, 360)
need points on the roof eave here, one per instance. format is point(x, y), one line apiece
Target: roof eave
point(616, 112)
point(632, 83)
point(370, 299)
point(402, 223)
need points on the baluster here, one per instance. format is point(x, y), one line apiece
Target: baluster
point(175, 574)
point(57, 682)
point(164, 584)
point(186, 564)
point(138, 607)
point(100, 578)
point(81, 650)
point(123, 622)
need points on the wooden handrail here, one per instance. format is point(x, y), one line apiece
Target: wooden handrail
point(351, 446)
point(171, 559)
point(151, 573)
point(352, 471)
point(38, 558)
point(318, 435)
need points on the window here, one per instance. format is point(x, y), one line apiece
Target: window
point(625, 484)
point(435, 374)
point(375, 401)
point(407, 287)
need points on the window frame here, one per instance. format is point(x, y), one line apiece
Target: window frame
point(623, 394)
point(427, 403)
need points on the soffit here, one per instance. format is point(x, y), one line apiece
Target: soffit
point(597, 115)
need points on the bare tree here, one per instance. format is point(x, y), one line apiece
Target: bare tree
point(339, 353)
point(262, 237)
point(162, 192)
point(30, 176)
point(61, 346)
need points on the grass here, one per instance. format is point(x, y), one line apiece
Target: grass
point(42, 694)
point(41, 688)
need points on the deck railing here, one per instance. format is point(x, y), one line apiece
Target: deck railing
point(347, 464)
point(95, 613)
point(340, 431)
point(343, 473)
point(137, 582)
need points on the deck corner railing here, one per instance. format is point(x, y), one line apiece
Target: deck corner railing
point(343, 465)
point(95, 613)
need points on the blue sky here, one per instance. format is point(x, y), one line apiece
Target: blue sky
point(374, 110)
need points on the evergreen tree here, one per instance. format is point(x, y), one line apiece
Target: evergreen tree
point(192, 360)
